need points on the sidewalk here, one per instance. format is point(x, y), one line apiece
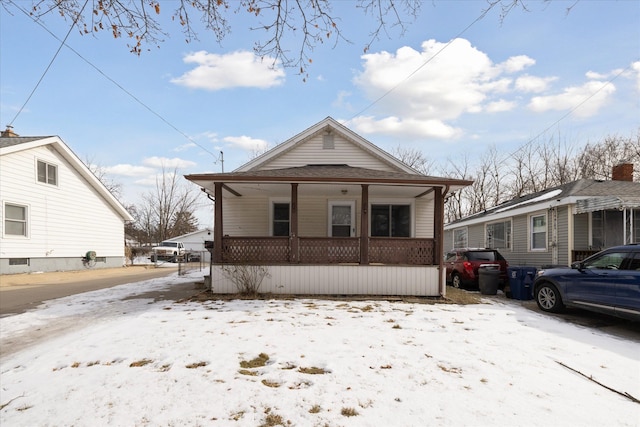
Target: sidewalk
point(17, 281)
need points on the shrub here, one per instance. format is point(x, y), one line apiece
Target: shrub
point(246, 278)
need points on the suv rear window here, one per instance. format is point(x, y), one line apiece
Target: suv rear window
point(481, 256)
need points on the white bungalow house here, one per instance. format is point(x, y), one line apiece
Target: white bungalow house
point(53, 209)
point(329, 213)
point(559, 225)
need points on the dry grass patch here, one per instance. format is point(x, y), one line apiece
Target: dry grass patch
point(139, 363)
point(349, 412)
point(462, 297)
point(248, 372)
point(257, 362)
point(313, 371)
point(315, 409)
point(196, 365)
point(269, 383)
point(274, 420)
point(396, 326)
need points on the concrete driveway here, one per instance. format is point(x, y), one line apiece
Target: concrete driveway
point(20, 292)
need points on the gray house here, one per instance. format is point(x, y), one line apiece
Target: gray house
point(556, 226)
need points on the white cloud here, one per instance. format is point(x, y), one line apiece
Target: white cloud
point(516, 63)
point(636, 68)
point(165, 162)
point(592, 95)
point(186, 146)
point(533, 84)
point(129, 170)
point(247, 143)
point(236, 69)
point(447, 81)
point(408, 127)
point(500, 106)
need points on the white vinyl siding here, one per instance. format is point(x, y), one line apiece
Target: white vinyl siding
point(340, 280)
point(313, 152)
point(424, 216)
point(65, 220)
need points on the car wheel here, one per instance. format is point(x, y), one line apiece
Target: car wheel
point(455, 280)
point(548, 298)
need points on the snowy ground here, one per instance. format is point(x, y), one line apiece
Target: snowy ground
point(134, 362)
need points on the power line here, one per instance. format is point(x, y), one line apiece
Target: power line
point(63, 43)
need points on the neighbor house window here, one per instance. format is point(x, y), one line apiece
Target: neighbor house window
point(281, 219)
point(538, 227)
point(15, 220)
point(47, 173)
point(391, 220)
point(460, 237)
point(18, 261)
point(498, 235)
point(636, 226)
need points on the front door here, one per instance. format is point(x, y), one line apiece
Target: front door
point(342, 219)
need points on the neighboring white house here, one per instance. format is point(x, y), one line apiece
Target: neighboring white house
point(194, 243)
point(53, 209)
point(328, 212)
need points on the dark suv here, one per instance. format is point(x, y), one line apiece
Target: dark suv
point(607, 282)
point(463, 264)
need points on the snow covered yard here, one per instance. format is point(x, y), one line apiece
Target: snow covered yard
point(309, 362)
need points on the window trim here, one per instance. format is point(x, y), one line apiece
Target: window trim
point(509, 242)
point(453, 236)
point(530, 231)
point(398, 202)
point(27, 211)
point(272, 202)
point(46, 178)
point(354, 219)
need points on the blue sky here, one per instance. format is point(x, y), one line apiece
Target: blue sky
point(499, 84)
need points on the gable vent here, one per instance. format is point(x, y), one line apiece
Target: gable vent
point(327, 142)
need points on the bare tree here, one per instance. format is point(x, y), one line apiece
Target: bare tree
point(597, 160)
point(100, 172)
point(309, 23)
point(165, 212)
point(413, 158)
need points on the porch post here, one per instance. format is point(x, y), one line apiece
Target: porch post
point(217, 224)
point(438, 233)
point(294, 239)
point(364, 226)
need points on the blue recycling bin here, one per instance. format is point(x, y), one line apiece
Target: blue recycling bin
point(521, 282)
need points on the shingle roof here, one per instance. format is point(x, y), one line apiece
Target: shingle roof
point(325, 173)
point(16, 140)
point(583, 188)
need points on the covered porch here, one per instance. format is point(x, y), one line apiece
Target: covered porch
point(325, 244)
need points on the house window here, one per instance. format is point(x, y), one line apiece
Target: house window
point(460, 238)
point(18, 261)
point(281, 219)
point(498, 235)
point(538, 228)
point(15, 220)
point(391, 220)
point(47, 173)
point(636, 226)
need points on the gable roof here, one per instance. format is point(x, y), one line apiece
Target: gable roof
point(588, 194)
point(328, 124)
point(16, 144)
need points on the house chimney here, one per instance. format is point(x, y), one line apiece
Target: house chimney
point(8, 133)
point(622, 172)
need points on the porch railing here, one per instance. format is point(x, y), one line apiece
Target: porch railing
point(327, 250)
point(581, 255)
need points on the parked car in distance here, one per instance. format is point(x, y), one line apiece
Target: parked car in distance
point(607, 282)
point(463, 265)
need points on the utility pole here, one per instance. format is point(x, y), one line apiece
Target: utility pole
point(222, 161)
